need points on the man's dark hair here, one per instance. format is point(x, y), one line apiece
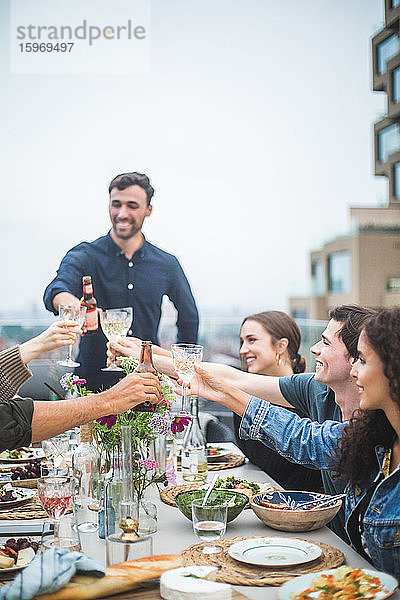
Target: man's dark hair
point(125, 180)
point(353, 318)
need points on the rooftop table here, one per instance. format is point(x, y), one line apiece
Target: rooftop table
point(175, 532)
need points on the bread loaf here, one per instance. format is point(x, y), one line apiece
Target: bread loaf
point(118, 578)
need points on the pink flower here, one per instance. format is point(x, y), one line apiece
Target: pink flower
point(179, 423)
point(109, 421)
point(79, 382)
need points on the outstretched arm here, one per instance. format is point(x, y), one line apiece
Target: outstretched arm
point(299, 440)
point(58, 334)
point(52, 418)
point(257, 385)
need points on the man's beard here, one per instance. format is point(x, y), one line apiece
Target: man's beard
point(126, 233)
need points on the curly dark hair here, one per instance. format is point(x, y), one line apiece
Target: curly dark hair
point(356, 458)
point(121, 182)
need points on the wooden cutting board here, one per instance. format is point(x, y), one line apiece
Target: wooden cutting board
point(154, 594)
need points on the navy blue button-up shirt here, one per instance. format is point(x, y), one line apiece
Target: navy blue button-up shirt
point(140, 282)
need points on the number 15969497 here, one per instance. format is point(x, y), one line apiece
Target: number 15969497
point(46, 47)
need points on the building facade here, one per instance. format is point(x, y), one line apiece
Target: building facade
point(364, 267)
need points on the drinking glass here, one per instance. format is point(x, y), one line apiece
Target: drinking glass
point(209, 523)
point(68, 535)
point(115, 323)
point(71, 313)
point(185, 357)
point(55, 495)
point(56, 450)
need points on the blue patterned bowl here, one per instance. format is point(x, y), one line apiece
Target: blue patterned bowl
point(293, 510)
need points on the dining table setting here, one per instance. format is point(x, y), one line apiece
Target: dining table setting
point(228, 537)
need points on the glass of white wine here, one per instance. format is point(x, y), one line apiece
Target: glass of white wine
point(115, 323)
point(71, 313)
point(209, 523)
point(185, 357)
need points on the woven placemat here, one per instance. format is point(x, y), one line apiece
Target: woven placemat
point(232, 571)
point(230, 462)
point(168, 494)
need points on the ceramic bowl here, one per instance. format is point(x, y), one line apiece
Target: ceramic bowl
point(288, 514)
point(236, 501)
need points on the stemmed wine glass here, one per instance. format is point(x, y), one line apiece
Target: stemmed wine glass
point(115, 323)
point(71, 313)
point(209, 523)
point(55, 495)
point(185, 357)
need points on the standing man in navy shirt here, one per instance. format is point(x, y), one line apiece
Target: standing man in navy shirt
point(126, 270)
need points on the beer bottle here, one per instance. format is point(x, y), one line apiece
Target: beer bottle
point(88, 300)
point(145, 366)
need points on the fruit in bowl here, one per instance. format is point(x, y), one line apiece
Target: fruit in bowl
point(295, 510)
point(236, 501)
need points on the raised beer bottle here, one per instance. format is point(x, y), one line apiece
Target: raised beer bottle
point(88, 300)
point(145, 366)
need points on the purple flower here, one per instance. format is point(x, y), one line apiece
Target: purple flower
point(160, 423)
point(179, 423)
point(109, 421)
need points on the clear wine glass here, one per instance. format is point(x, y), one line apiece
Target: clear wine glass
point(209, 523)
point(71, 313)
point(55, 495)
point(185, 357)
point(115, 323)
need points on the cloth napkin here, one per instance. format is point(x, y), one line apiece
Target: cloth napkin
point(48, 572)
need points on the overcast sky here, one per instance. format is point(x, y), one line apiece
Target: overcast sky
point(254, 125)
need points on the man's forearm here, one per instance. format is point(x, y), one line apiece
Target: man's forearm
point(51, 418)
point(262, 386)
point(65, 298)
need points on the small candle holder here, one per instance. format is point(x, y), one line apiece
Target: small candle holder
point(127, 544)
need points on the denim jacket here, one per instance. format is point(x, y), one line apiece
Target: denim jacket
point(314, 444)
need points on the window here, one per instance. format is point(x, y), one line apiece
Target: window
point(393, 284)
point(388, 141)
point(317, 278)
point(339, 272)
point(396, 84)
point(395, 3)
point(396, 181)
point(386, 50)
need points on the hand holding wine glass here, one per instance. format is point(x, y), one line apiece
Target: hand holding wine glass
point(185, 357)
point(115, 323)
point(71, 316)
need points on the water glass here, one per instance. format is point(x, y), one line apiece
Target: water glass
point(67, 535)
point(209, 523)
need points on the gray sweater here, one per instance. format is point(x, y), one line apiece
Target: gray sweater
point(15, 413)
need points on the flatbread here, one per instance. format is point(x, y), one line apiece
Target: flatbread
point(118, 578)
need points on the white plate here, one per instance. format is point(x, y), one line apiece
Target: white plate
point(26, 456)
point(298, 584)
point(274, 551)
point(215, 458)
point(23, 495)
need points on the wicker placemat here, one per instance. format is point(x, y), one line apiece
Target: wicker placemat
point(232, 571)
point(168, 494)
point(30, 510)
point(230, 462)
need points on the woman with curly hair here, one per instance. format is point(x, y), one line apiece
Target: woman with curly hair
point(364, 450)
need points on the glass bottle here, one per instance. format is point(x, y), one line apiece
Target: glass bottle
point(194, 450)
point(145, 366)
point(88, 300)
point(86, 469)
